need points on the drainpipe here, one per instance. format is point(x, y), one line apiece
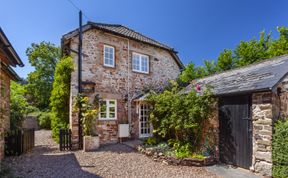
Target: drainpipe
point(128, 88)
point(80, 80)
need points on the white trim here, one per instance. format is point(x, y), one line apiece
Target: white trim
point(140, 63)
point(111, 47)
point(151, 128)
point(107, 109)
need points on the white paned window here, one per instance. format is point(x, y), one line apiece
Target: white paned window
point(140, 63)
point(109, 56)
point(108, 109)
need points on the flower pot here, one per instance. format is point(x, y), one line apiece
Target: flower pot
point(123, 130)
point(91, 143)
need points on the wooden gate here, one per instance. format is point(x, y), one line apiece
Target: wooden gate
point(65, 139)
point(19, 141)
point(235, 130)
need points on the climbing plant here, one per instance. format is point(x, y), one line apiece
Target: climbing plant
point(59, 100)
point(178, 117)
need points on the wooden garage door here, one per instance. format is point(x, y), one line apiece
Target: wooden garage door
point(235, 131)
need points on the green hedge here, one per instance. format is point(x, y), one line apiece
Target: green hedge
point(45, 120)
point(280, 150)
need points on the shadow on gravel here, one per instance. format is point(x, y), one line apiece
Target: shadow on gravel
point(116, 148)
point(45, 162)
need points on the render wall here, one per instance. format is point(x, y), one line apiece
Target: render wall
point(115, 83)
point(4, 108)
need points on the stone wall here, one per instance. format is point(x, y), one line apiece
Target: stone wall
point(262, 120)
point(211, 131)
point(283, 98)
point(4, 108)
point(118, 82)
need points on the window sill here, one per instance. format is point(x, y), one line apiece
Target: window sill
point(107, 119)
point(110, 66)
point(140, 72)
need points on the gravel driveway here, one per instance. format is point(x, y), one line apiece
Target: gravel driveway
point(110, 161)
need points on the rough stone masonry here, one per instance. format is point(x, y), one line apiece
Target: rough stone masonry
point(116, 82)
point(4, 108)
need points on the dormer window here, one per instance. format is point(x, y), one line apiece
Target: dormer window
point(109, 56)
point(140, 63)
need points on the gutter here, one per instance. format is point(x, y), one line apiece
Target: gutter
point(7, 69)
point(7, 45)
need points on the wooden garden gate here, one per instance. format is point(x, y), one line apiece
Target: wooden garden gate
point(235, 126)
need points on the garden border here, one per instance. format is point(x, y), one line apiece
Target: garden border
point(160, 157)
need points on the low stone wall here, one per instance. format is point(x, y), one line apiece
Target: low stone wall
point(160, 157)
point(30, 123)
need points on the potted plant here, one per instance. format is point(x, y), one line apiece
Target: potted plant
point(89, 112)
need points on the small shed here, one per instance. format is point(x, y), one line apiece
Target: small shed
point(250, 100)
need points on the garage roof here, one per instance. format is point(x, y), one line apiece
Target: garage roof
point(263, 76)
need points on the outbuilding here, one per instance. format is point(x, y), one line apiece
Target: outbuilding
point(250, 100)
point(8, 59)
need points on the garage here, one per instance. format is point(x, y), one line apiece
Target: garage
point(250, 100)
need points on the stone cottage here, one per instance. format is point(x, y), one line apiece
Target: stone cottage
point(250, 100)
point(8, 58)
point(119, 65)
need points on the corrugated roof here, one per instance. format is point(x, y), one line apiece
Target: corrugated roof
point(262, 76)
point(126, 32)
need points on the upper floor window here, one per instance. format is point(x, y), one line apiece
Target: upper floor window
point(140, 63)
point(107, 109)
point(109, 56)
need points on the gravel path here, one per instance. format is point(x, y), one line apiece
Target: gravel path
point(110, 161)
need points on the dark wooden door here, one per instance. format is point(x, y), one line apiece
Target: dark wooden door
point(235, 131)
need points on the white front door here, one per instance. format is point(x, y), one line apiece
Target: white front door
point(145, 128)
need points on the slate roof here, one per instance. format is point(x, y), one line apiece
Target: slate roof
point(263, 76)
point(125, 32)
point(9, 50)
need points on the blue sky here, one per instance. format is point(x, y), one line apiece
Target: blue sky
point(197, 29)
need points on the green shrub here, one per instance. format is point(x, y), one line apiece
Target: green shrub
point(179, 117)
point(280, 150)
point(183, 151)
point(198, 156)
point(45, 120)
point(150, 141)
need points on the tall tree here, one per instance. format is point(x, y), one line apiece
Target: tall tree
point(19, 107)
point(248, 52)
point(210, 67)
point(43, 57)
point(280, 46)
point(226, 60)
point(245, 53)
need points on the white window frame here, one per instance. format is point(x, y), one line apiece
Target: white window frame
point(108, 105)
point(111, 47)
point(140, 63)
